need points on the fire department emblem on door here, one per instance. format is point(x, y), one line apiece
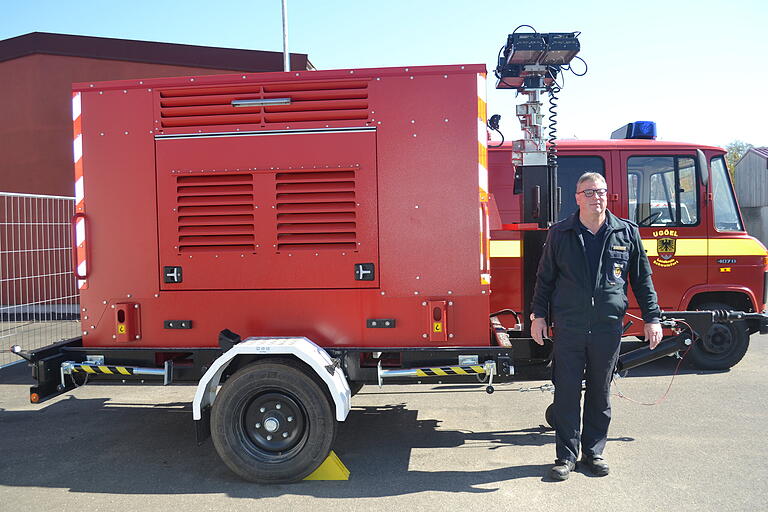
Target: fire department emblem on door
point(665, 249)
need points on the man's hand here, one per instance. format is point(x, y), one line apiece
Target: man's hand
point(653, 334)
point(538, 329)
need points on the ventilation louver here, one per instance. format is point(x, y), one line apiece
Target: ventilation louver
point(215, 213)
point(318, 101)
point(316, 210)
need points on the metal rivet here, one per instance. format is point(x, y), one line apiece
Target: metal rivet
point(450, 335)
point(290, 418)
point(129, 295)
point(258, 425)
point(285, 434)
point(415, 293)
point(135, 306)
point(450, 292)
point(85, 318)
point(423, 335)
point(269, 438)
point(112, 306)
point(262, 409)
point(157, 295)
point(450, 303)
point(103, 302)
point(278, 406)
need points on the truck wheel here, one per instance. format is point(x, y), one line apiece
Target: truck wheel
point(272, 423)
point(722, 346)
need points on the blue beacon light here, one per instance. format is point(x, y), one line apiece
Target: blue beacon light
point(636, 130)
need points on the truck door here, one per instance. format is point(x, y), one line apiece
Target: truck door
point(664, 197)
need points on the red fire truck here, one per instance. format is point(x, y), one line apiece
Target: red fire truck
point(284, 238)
point(681, 197)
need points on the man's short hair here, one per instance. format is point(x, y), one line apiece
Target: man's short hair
point(591, 176)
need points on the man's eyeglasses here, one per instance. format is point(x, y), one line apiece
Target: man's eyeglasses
point(589, 192)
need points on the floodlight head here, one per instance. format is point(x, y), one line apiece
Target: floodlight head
point(534, 54)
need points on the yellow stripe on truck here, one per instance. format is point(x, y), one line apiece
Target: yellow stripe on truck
point(683, 247)
point(505, 249)
point(736, 247)
point(710, 247)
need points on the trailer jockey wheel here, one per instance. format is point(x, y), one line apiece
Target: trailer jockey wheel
point(549, 415)
point(722, 346)
point(272, 423)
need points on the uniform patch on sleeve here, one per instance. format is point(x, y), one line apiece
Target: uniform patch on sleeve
point(619, 247)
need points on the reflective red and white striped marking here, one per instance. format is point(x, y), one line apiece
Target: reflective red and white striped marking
point(77, 147)
point(482, 175)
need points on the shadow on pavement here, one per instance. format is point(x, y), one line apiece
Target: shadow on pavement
point(98, 446)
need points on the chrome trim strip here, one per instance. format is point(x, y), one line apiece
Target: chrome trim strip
point(305, 131)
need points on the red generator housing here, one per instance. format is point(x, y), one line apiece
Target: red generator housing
point(347, 206)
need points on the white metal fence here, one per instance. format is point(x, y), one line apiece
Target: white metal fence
point(39, 300)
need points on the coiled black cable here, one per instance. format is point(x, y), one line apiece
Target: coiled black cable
point(553, 90)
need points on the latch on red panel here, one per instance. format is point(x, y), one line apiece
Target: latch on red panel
point(127, 322)
point(438, 320)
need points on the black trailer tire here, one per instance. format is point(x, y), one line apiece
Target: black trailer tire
point(723, 346)
point(272, 423)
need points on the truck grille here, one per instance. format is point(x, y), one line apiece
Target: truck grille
point(316, 210)
point(215, 213)
point(309, 101)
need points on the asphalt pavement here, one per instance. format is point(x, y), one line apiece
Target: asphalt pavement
point(445, 447)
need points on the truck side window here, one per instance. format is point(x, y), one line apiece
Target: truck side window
point(569, 170)
point(726, 214)
point(662, 190)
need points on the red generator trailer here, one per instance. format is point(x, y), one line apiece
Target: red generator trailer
point(284, 238)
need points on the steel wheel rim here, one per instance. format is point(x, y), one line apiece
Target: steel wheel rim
point(272, 425)
point(718, 340)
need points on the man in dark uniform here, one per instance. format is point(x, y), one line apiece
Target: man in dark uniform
point(582, 280)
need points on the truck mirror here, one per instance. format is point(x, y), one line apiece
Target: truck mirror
point(703, 167)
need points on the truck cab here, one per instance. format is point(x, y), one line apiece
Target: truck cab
point(681, 197)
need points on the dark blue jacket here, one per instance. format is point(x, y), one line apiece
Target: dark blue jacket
point(563, 278)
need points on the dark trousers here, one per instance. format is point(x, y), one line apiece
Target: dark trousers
point(577, 357)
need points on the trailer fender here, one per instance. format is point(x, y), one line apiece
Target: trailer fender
point(301, 348)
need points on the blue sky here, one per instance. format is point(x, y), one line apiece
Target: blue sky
point(697, 68)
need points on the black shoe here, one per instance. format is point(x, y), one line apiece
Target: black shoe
point(562, 469)
point(596, 465)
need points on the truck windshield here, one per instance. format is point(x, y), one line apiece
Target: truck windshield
point(662, 190)
point(569, 170)
point(726, 213)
